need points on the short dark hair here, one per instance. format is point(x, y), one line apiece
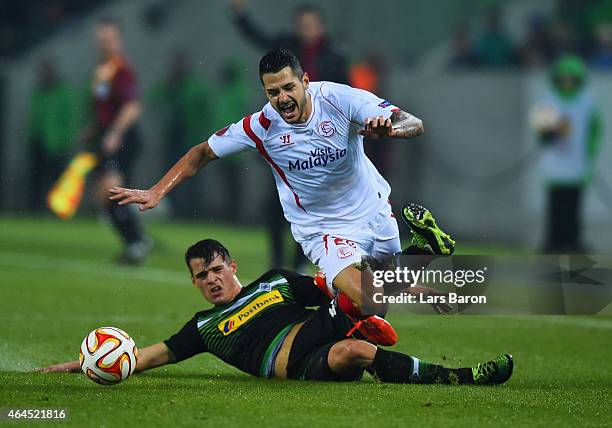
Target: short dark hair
point(206, 249)
point(274, 61)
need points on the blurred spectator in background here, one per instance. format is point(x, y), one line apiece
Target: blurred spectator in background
point(370, 75)
point(584, 17)
point(115, 137)
point(493, 48)
point(538, 49)
point(565, 39)
point(232, 95)
point(367, 73)
point(183, 99)
point(601, 58)
point(461, 48)
point(51, 130)
point(23, 23)
point(322, 60)
point(319, 57)
point(567, 123)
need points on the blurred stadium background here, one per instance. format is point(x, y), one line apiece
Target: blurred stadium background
point(476, 166)
point(471, 69)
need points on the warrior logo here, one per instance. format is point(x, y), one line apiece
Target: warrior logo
point(285, 139)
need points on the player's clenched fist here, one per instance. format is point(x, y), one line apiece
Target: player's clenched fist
point(147, 199)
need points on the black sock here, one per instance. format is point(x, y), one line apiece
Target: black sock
point(389, 366)
point(126, 222)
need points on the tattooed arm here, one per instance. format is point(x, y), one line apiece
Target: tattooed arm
point(399, 125)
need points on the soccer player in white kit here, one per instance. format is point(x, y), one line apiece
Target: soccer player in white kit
point(311, 135)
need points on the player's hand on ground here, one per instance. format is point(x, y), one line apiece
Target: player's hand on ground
point(377, 127)
point(440, 307)
point(146, 199)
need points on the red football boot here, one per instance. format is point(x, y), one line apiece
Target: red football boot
point(376, 330)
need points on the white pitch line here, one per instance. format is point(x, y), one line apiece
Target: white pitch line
point(31, 261)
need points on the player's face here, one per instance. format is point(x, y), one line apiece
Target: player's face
point(309, 27)
point(217, 281)
point(287, 94)
point(108, 39)
point(568, 83)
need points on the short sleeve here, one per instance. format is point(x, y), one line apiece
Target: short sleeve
point(356, 104)
point(187, 342)
point(304, 288)
point(232, 139)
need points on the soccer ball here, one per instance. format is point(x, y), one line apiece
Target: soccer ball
point(108, 355)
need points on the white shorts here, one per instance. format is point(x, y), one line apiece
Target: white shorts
point(332, 251)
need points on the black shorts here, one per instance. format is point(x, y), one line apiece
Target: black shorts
point(123, 159)
point(325, 327)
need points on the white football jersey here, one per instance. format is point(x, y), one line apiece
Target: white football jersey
point(323, 177)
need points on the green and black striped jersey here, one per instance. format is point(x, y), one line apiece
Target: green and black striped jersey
point(243, 332)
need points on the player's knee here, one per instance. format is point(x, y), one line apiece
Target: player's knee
point(355, 310)
point(359, 289)
point(352, 353)
point(347, 306)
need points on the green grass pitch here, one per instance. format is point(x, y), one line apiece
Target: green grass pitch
point(57, 284)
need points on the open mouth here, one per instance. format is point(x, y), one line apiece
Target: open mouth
point(287, 109)
point(215, 288)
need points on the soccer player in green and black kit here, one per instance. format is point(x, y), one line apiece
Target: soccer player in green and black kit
point(267, 329)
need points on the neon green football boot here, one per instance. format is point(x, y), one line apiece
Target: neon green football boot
point(493, 372)
point(426, 235)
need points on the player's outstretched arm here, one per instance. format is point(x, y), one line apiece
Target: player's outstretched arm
point(148, 358)
point(187, 166)
point(153, 356)
point(399, 125)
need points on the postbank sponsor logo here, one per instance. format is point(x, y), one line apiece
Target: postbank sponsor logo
point(246, 313)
